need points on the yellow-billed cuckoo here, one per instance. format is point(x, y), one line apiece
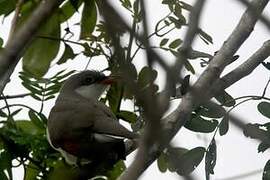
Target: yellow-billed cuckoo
point(82, 127)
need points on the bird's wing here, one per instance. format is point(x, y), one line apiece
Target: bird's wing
point(99, 118)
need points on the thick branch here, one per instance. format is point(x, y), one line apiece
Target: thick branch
point(244, 69)
point(16, 45)
point(263, 18)
point(230, 46)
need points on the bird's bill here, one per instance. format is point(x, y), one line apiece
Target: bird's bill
point(110, 79)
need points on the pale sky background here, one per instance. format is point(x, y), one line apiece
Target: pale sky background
point(236, 153)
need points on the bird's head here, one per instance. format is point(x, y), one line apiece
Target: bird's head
point(89, 84)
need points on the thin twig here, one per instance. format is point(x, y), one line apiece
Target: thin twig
point(15, 18)
point(7, 105)
point(15, 96)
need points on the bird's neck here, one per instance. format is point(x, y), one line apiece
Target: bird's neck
point(93, 92)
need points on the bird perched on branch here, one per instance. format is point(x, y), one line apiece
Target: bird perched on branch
point(84, 129)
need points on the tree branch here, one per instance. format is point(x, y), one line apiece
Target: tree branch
point(174, 121)
point(263, 18)
point(243, 70)
point(148, 151)
point(230, 46)
point(16, 45)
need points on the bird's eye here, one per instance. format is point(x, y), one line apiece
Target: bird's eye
point(89, 80)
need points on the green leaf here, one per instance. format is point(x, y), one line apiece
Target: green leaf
point(186, 6)
point(114, 97)
point(163, 41)
point(68, 54)
point(62, 171)
point(35, 119)
point(187, 162)
point(225, 99)
point(263, 146)
point(255, 131)
point(59, 78)
point(3, 176)
point(1, 42)
point(210, 159)
point(168, 1)
point(28, 127)
point(198, 124)
point(127, 116)
point(117, 170)
point(146, 76)
point(266, 65)
point(32, 89)
point(178, 22)
point(185, 85)
point(67, 10)
point(35, 97)
point(162, 163)
point(31, 172)
point(42, 51)
point(126, 4)
point(15, 112)
point(43, 118)
point(205, 37)
point(212, 110)
point(173, 153)
point(178, 10)
point(49, 97)
point(3, 114)
point(264, 108)
point(266, 171)
point(89, 19)
point(175, 43)
point(6, 163)
point(7, 6)
point(189, 67)
point(75, 4)
point(224, 125)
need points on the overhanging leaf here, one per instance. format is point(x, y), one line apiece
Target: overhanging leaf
point(198, 124)
point(7, 6)
point(35, 119)
point(31, 172)
point(175, 43)
point(210, 159)
point(186, 163)
point(114, 97)
point(266, 171)
point(146, 76)
point(212, 110)
point(68, 54)
point(172, 153)
point(67, 10)
point(224, 125)
point(225, 99)
point(117, 170)
point(89, 19)
point(163, 41)
point(127, 116)
point(162, 163)
point(264, 108)
point(205, 37)
point(263, 146)
point(42, 51)
point(27, 127)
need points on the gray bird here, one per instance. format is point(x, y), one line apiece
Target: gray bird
point(83, 128)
